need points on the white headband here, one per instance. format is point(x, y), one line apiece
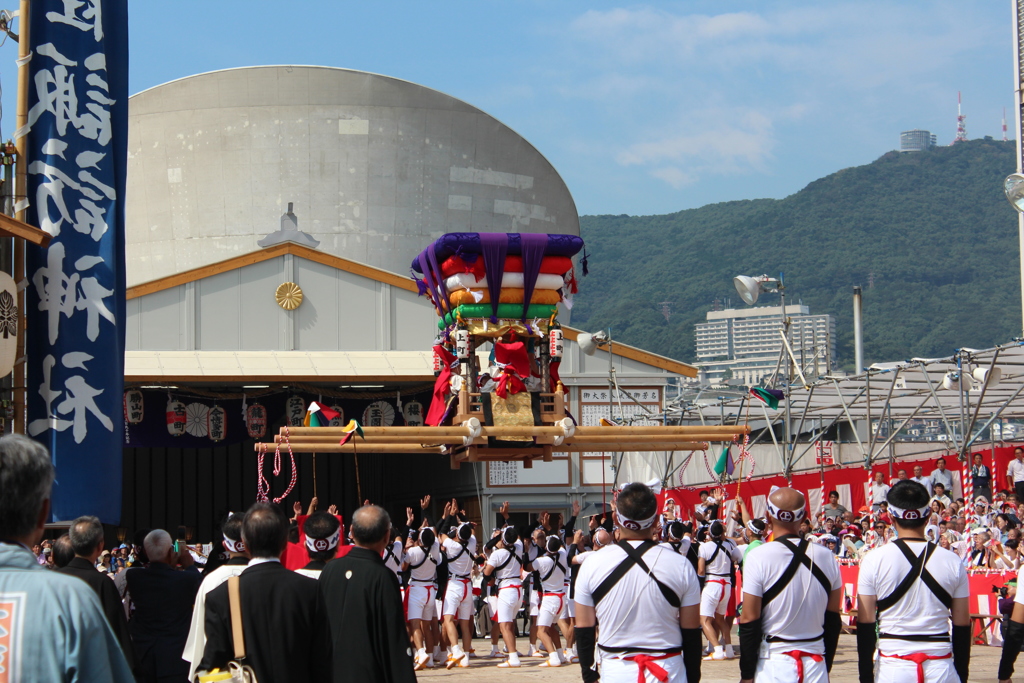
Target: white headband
point(234, 546)
point(900, 513)
point(636, 525)
point(785, 515)
point(322, 545)
point(753, 529)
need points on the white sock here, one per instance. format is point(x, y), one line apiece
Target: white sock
point(719, 650)
point(554, 659)
point(513, 658)
point(456, 651)
point(422, 652)
point(728, 651)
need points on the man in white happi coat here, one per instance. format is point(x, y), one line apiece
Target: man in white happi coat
point(421, 562)
point(792, 591)
point(645, 600)
point(912, 589)
point(506, 565)
point(715, 563)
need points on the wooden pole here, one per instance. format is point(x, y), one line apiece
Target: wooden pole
point(606, 433)
point(624, 447)
point(457, 440)
point(19, 378)
point(301, 447)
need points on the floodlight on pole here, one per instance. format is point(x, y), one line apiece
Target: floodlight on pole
point(589, 343)
point(749, 288)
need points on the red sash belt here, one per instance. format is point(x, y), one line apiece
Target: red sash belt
point(798, 659)
point(919, 658)
point(405, 598)
point(646, 664)
point(561, 601)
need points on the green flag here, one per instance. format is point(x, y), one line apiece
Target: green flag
point(725, 463)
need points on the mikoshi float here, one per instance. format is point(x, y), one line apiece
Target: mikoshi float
point(500, 290)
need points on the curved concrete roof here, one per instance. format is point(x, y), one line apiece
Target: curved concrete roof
point(376, 168)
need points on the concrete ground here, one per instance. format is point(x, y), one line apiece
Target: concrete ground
point(984, 662)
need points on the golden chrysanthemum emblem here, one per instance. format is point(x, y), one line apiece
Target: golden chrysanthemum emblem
point(288, 296)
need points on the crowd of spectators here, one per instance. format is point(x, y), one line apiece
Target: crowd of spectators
point(986, 535)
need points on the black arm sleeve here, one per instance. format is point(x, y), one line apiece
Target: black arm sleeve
point(571, 552)
point(961, 650)
point(586, 640)
point(867, 638)
point(570, 527)
point(1012, 640)
point(750, 647)
point(492, 543)
point(833, 627)
point(692, 652)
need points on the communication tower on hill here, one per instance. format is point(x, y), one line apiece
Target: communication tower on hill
point(1004, 124)
point(666, 309)
point(961, 123)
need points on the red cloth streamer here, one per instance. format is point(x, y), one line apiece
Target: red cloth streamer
point(438, 403)
point(508, 383)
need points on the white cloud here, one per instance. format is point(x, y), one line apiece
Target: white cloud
point(714, 142)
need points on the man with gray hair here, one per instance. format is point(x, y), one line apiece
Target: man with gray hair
point(86, 536)
point(163, 599)
point(364, 606)
point(54, 627)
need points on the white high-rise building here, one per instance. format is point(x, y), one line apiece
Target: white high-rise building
point(745, 344)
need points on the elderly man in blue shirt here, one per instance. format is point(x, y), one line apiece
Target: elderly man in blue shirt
point(52, 627)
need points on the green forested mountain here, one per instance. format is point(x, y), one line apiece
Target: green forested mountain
point(932, 231)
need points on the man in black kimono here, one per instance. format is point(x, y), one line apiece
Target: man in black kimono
point(287, 639)
point(364, 606)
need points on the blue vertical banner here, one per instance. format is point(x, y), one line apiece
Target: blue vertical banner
point(77, 149)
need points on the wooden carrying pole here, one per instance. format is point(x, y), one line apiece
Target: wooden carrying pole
point(607, 433)
point(298, 446)
point(457, 440)
point(19, 378)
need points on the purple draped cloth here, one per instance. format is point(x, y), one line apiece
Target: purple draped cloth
point(494, 247)
point(532, 248)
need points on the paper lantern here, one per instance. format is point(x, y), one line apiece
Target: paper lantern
point(218, 423)
point(413, 414)
point(176, 418)
point(8, 324)
point(555, 343)
point(338, 421)
point(462, 343)
point(379, 414)
point(295, 408)
point(438, 363)
point(197, 419)
point(256, 421)
point(133, 406)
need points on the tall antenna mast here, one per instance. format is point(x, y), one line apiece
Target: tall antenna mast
point(1004, 124)
point(961, 123)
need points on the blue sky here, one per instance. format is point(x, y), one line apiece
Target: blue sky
point(643, 109)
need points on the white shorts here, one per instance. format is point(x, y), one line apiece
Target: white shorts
point(781, 668)
point(552, 608)
point(534, 603)
point(615, 670)
point(458, 599)
point(570, 606)
point(714, 599)
point(419, 601)
point(893, 670)
point(510, 599)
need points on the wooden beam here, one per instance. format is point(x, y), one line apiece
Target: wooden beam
point(602, 433)
point(166, 380)
point(641, 356)
point(237, 262)
point(349, 448)
point(12, 227)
